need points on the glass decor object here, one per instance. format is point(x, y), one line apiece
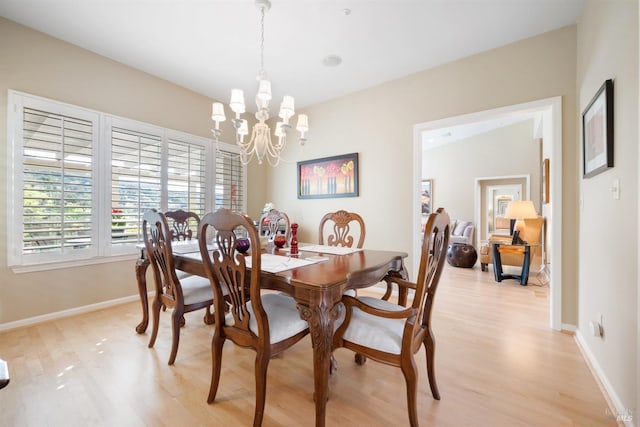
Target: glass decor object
point(243, 244)
point(279, 240)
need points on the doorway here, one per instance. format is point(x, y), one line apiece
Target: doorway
point(491, 216)
point(551, 134)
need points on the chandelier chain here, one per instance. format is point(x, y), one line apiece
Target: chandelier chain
point(262, 71)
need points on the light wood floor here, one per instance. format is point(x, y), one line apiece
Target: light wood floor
point(497, 364)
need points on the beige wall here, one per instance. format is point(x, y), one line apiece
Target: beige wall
point(608, 48)
point(378, 124)
point(510, 150)
point(38, 64)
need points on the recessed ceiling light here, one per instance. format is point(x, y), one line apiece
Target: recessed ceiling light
point(346, 11)
point(332, 60)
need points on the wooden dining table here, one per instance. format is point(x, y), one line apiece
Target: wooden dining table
point(317, 289)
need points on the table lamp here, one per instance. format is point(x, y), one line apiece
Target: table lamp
point(519, 210)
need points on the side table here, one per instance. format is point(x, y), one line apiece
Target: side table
point(524, 249)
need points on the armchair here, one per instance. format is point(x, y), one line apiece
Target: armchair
point(393, 334)
point(462, 232)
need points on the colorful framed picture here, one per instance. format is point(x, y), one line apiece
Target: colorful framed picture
point(328, 177)
point(597, 132)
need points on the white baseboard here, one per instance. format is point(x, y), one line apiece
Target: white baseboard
point(66, 313)
point(617, 409)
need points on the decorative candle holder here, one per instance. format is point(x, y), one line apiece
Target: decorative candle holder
point(294, 239)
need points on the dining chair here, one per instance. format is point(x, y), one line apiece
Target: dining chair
point(274, 222)
point(183, 295)
point(341, 229)
point(266, 322)
point(183, 225)
point(391, 333)
point(338, 227)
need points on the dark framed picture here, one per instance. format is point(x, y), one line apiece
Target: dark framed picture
point(545, 181)
point(426, 196)
point(597, 132)
point(328, 177)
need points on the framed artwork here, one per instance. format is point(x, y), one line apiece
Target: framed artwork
point(328, 177)
point(426, 196)
point(597, 132)
point(544, 187)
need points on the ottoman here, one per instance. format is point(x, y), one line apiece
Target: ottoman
point(461, 255)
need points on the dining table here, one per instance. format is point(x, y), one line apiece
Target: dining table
point(316, 278)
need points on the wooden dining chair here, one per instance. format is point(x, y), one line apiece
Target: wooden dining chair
point(268, 323)
point(344, 228)
point(183, 225)
point(392, 334)
point(182, 295)
point(341, 228)
point(274, 222)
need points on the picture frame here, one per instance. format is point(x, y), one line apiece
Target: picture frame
point(544, 187)
point(597, 132)
point(426, 196)
point(329, 177)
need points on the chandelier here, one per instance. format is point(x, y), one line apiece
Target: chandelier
point(260, 145)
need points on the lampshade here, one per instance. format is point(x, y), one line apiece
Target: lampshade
point(521, 209)
point(264, 90)
point(217, 112)
point(287, 108)
point(303, 123)
point(237, 101)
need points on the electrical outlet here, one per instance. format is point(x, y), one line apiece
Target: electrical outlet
point(596, 329)
point(595, 326)
point(616, 189)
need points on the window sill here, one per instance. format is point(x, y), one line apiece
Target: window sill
point(75, 263)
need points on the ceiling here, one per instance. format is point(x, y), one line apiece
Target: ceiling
point(212, 46)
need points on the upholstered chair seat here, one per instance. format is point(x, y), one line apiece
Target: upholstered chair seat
point(195, 288)
point(284, 319)
point(374, 331)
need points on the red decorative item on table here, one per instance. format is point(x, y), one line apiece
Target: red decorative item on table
point(279, 240)
point(294, 239)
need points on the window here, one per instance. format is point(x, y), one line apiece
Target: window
point(230, 183)
point(80, 180)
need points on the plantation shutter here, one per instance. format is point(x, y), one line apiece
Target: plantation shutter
point(186, 177)
point(57, 182)
point(229, 190)
point(136, 185)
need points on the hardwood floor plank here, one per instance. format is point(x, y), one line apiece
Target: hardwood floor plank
point(497, 364)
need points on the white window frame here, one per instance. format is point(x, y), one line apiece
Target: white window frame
point(102, 249)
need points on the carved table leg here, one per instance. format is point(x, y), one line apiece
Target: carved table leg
point(320, 318)
point(141, 275)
